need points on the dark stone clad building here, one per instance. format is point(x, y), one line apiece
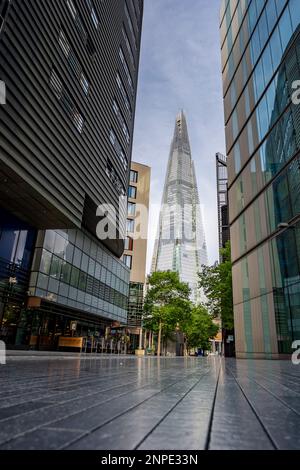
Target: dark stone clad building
point(70, 68)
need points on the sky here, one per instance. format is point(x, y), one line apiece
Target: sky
point(180, 68)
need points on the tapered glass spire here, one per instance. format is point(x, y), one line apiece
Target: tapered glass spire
point(180, 245)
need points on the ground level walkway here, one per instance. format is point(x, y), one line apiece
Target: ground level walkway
point(116, 403)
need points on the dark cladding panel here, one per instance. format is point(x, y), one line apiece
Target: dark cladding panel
point(60, 61)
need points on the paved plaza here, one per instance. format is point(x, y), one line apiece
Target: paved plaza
point(125, 403)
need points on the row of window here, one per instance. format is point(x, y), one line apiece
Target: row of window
point(130, 223)
point(118, 149)
point(135, 8)
point(66, 101)
point(71, 276)
point(257, 21)
point(111, 173)
point(281, 257)
point(126, 70)
point(128, 45)
point(93, 13)
point(279, 203)
point(121, 120)
point(124, 95)
point(280, 146)
point(55, 81)
point(258, 126)
point(270, 58)
point(113, 138)
point(73, 61)
point(230, 26)
point(79, 24)
point(129, 21)
point(78, 249)
point(263, 72)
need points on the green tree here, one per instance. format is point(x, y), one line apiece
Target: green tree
point(167, 305)
point(200, 329)
point(216, 282)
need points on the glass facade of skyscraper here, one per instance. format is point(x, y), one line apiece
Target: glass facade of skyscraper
point(180, 245)
point(261, 64)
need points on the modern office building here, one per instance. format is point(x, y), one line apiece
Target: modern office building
point(135, 254)
point(261, 62)
point(70, 70)
point(180, 245)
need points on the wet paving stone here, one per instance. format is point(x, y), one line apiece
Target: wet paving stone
point(119, 403)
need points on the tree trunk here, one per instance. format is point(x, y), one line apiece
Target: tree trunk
point(159, 340)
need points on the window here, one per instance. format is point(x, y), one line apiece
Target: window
point(121, 121)
point(119, 151)
point(66, 101)
point(134, 8)
point(132, 192)
point(81, 29)
point(93, 14)
point(72, 8)
point(111, 173)
point(73, 61)
point(134, 176)
point(126, 70)
point(130, 225)
point(128, 244)
point(127, 259)
point(131, 209)
point(130, 25)
point(129, 49)
point(123, 93)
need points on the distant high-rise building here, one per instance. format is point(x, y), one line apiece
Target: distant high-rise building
point(135, 254)
point(70, 71)
point(180, 245)
point(261, 66)
point(222, 197)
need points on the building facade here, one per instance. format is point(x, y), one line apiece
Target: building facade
point(70, 70)
point(180, 245)
point(261, 62)
point(135, 254)
point(222, 199)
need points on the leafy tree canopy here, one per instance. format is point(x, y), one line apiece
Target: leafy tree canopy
point(200, 329)
point(216, 282)
point(167, 302)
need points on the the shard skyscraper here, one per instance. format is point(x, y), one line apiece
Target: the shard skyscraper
point(180, 245)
